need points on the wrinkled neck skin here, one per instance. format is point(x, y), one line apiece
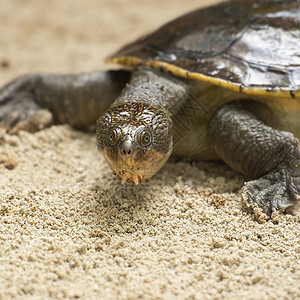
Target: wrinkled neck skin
point(155, 88)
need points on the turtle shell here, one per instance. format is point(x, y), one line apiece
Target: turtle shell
point(249, 46)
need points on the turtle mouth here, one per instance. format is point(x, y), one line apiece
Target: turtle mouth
point(137, 168)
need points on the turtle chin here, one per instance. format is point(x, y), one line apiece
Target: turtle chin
point(138, 167)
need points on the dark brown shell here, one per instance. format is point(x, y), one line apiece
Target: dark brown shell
point(244, 45)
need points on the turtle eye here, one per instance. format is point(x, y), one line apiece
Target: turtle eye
point(145, 139)
point(112, 137)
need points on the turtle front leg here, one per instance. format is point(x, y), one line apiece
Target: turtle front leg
point(269, 158)
point(35, 101)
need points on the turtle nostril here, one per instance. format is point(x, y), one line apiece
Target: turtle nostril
point(126, 151)
point(126, 148)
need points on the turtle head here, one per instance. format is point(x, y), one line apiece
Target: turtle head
point(136, 140)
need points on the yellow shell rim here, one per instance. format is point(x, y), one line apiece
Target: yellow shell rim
point(177, 71)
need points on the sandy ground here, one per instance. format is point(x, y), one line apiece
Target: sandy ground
point(68, 229)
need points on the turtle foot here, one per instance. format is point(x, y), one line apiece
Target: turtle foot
point(276, 191)
point(18, 109)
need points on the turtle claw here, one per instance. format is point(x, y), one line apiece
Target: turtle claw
point(18, 109)
point(276, 191)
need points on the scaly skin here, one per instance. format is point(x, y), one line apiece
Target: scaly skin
point(269, 157)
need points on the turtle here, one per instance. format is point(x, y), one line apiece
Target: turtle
point(218, 83)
